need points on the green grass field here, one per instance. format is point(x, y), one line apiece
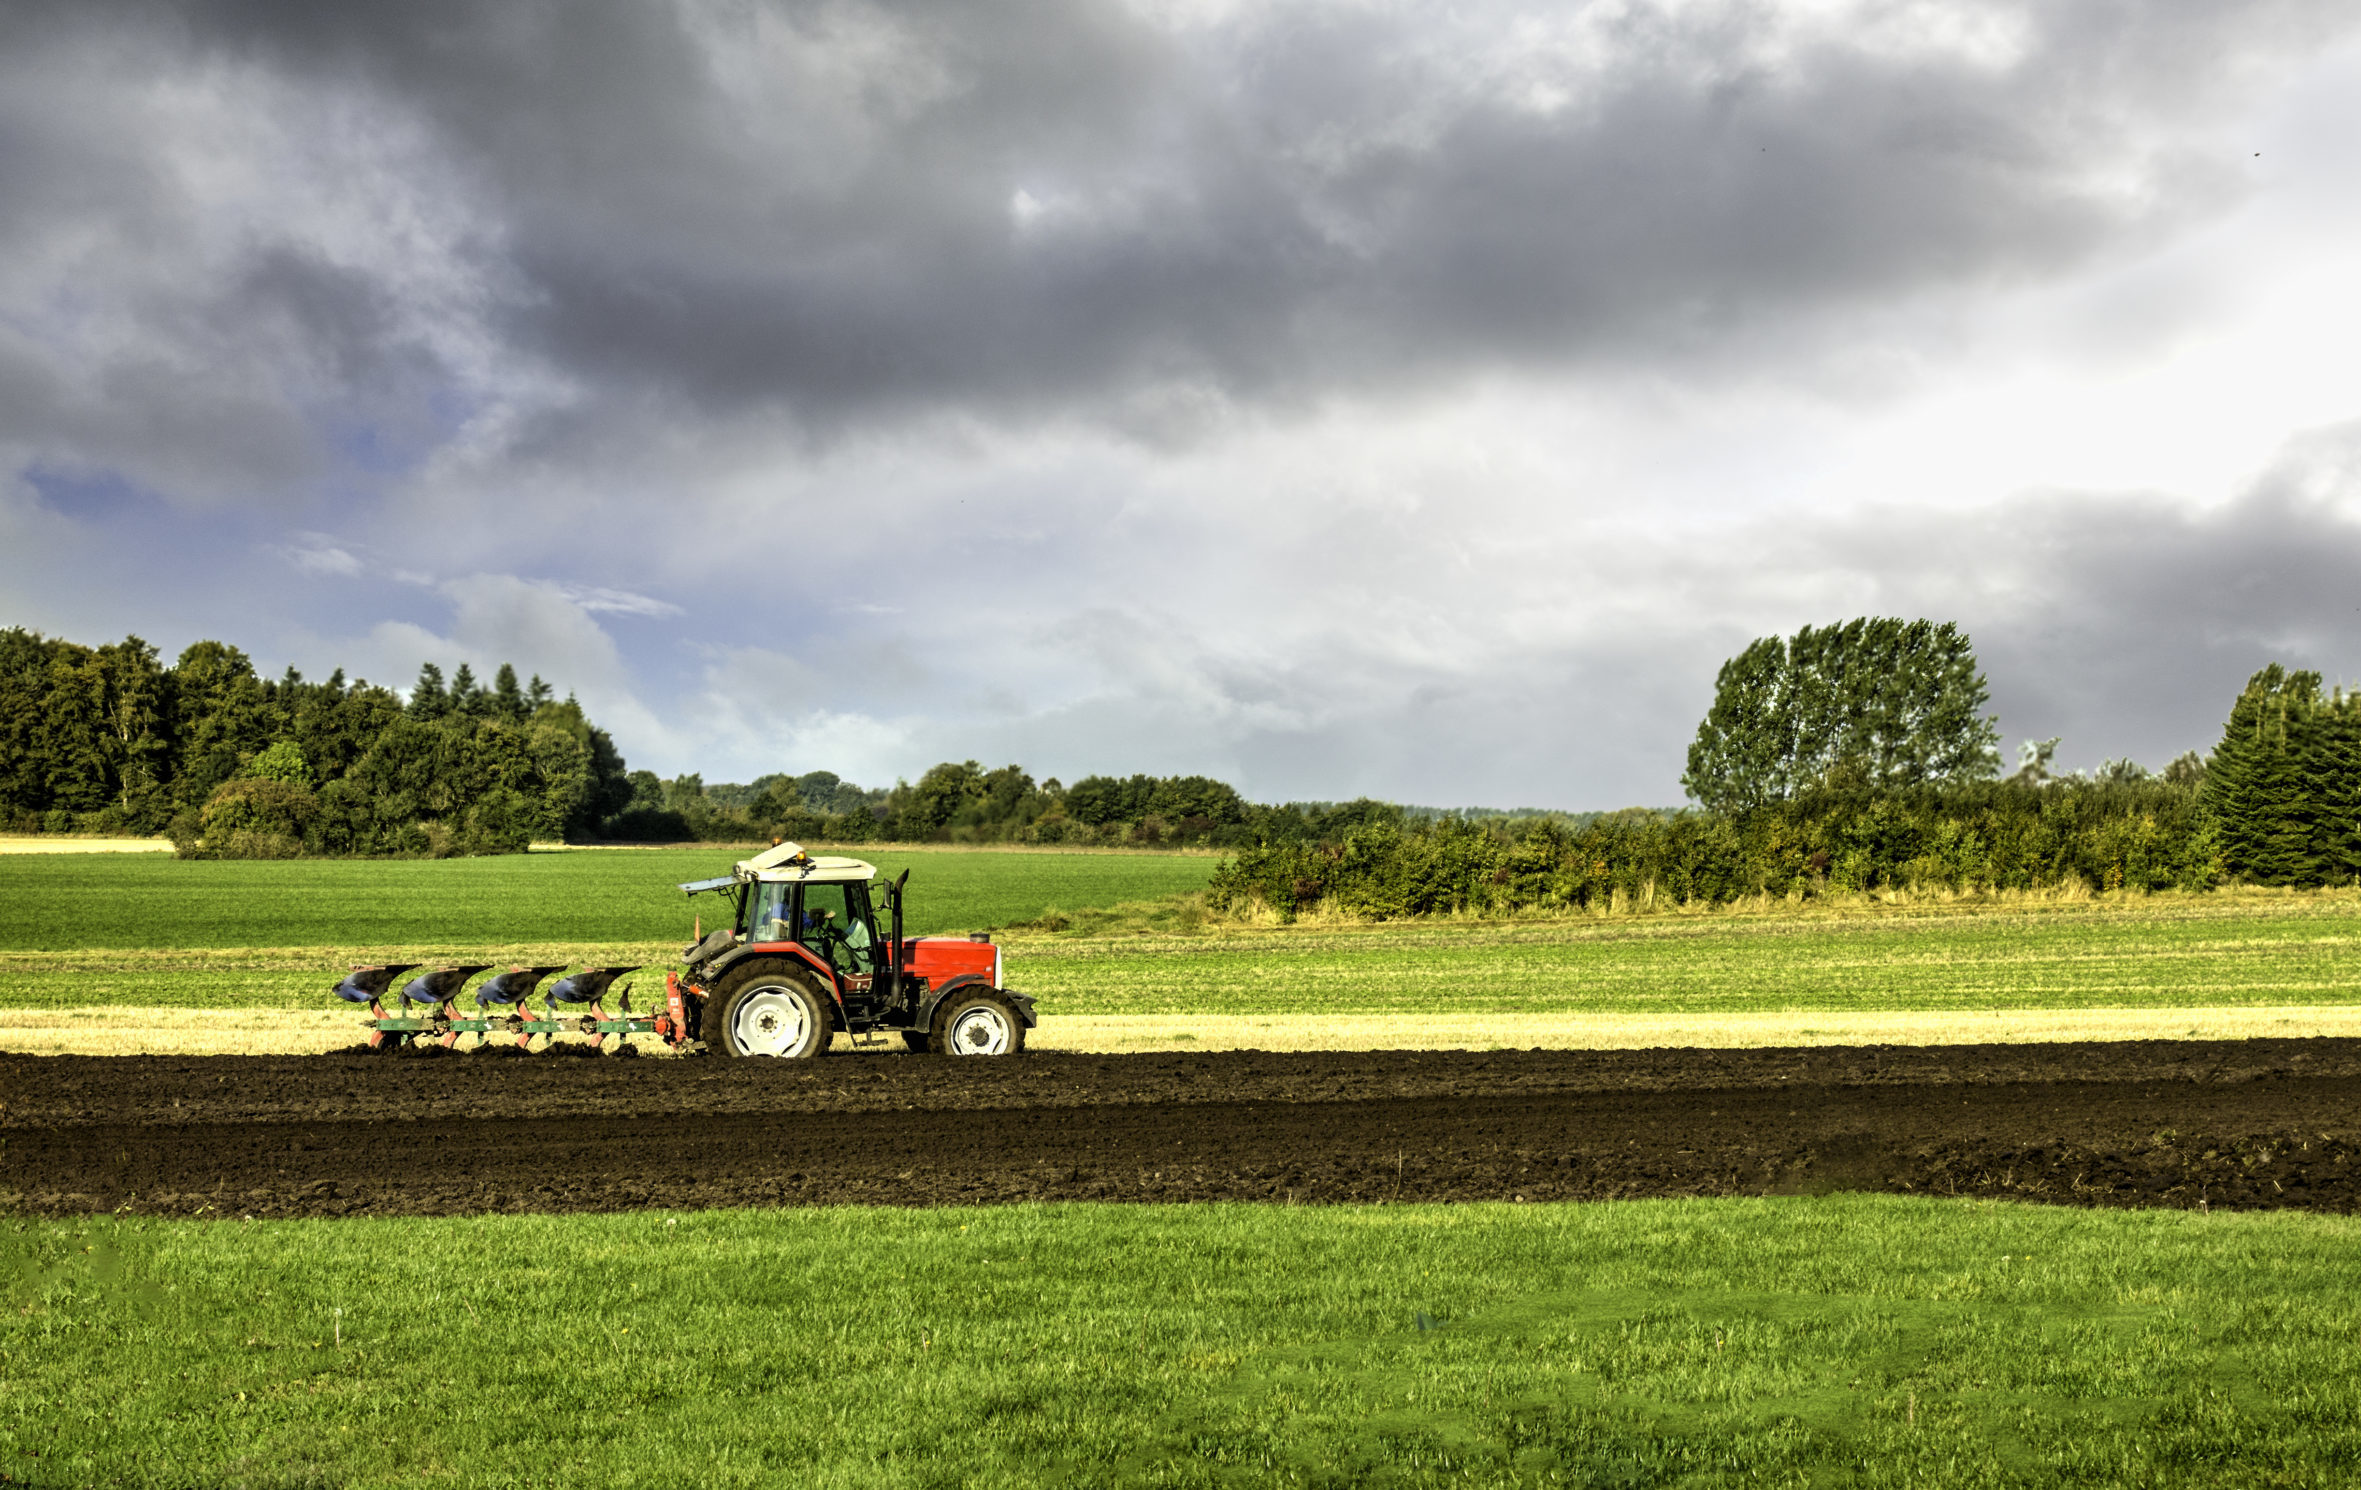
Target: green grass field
point(1838, 1340)
point(201, 950)
point(67, 902)
point(2166, 953)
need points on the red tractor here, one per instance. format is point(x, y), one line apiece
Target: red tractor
point(810, 950)
point(805, 955)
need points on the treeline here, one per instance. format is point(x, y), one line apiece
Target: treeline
point(110, 740)
point(2277, 803)
point(961, 802)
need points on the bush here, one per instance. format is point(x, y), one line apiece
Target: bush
point(250, 817)
point(282, 762)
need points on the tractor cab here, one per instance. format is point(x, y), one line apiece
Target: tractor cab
point(821, 905)
point(827, 916)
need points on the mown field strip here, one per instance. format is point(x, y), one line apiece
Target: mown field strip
point(66, 902)
point(2260, 954)
point(1832, 1340)
point(116, 1030)
point(1952, 963)
point(22, 843)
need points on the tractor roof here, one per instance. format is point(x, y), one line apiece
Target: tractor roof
point(788, 862)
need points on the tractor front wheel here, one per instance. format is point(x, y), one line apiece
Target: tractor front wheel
point(766, 1011)
point(978, 1024)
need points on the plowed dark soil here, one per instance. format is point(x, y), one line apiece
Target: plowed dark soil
point(2261, 1123)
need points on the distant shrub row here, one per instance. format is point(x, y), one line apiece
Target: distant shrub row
point(2148, 835)
point(960, 802)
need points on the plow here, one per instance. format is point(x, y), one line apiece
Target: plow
point(428, 1013)
point(813, 947)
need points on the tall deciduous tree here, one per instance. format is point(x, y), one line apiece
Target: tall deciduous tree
point(1883, 701)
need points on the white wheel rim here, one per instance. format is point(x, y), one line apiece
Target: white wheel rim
point(771, 1022)
point(981, 1030)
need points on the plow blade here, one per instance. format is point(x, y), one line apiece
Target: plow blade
point(440, 986)
point(584, 987)
point(514, 986)
point(366, 983)
point(589, 986)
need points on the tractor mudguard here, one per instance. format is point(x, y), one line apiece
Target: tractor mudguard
point(968, 982)
point(792, 952)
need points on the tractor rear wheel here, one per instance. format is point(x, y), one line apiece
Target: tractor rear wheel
point(767, 1009)
point(978, 1024)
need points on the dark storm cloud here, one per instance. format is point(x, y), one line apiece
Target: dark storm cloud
point(168, 317)
point(1061, 207)
point(2146, 620)
point(2124, 623)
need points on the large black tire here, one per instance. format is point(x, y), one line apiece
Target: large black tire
point(979, 1023)
point(767, 1008)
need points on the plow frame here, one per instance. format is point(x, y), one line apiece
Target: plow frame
point(444, 1027)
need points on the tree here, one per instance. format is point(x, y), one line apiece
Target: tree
point(24, 681)
point(428, 701)
point(928, 807)
point(1881, 701)
point(2284, 785)
point(508, 700)
point(467, 696)
point(225, 716)
point(136, 696)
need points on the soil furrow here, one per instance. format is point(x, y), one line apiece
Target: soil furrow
point(2246, 1124)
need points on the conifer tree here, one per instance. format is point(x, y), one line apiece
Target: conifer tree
point(468, 696)
point(2334, 765)
point(2266, 801)
point(428, 701)
point(508, 700)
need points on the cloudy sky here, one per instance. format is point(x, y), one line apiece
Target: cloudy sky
point(1331, 397)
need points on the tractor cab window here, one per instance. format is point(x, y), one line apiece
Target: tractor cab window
point(770, 912)
point(836, 925)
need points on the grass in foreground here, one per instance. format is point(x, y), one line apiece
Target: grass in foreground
point(1839, 1340)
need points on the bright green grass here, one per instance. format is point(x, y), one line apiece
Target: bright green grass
point(1840, 1340)
point(66, 902)
point(2205, 952)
